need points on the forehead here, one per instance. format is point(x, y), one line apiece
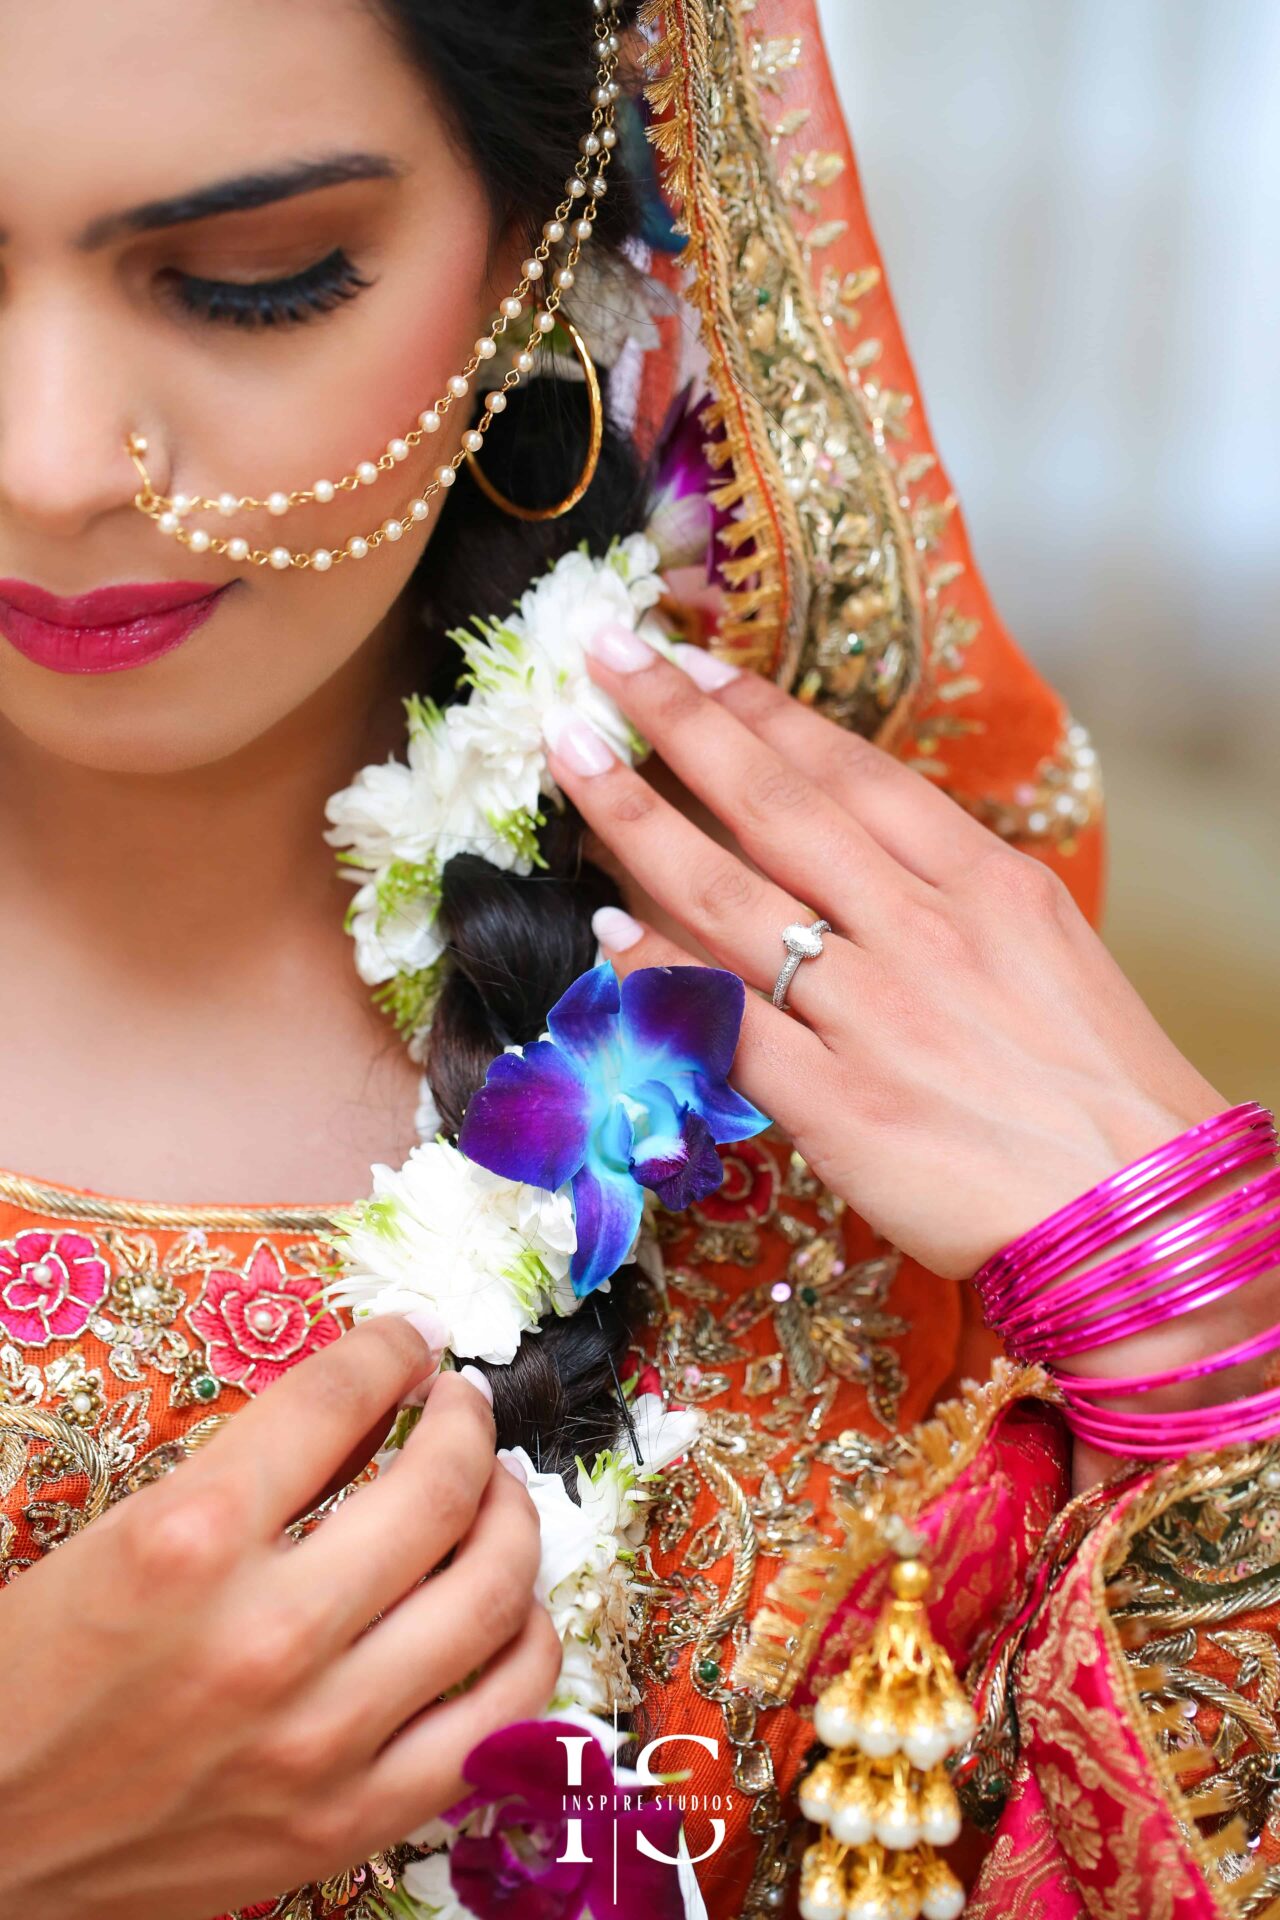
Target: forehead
point(104, 102)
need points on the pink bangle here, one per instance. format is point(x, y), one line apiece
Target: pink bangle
point(1121, 1200)
point(1235, 1238)
point(1150, 1437)
point(1084, 1385)
point(1046, 1310)
point(1226, 1158)
point(1134, 1308)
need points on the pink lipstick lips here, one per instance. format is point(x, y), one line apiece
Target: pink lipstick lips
point(104, 631)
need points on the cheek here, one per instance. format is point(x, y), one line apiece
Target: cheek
point(324, 405)
point(390, 357)
point(313, 407)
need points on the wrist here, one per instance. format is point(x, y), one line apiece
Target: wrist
point(1164, 1280)
point(1232, 1320)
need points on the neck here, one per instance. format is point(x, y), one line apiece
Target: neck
point(167, 866)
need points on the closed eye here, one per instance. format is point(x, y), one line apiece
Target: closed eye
point(288, 302)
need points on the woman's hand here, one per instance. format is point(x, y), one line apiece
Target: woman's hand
point(965, 1056)
point(194, 1715)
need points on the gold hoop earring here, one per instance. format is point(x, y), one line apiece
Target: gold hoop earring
point(596, 403)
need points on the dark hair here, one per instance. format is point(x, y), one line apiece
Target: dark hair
point(514, 77)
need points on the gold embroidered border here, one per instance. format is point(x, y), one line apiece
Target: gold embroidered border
point(64, 1203)
point(1181, 1480)
point(812, 1582)
point(824, 590)
point(31, 1423)
point(831, 588)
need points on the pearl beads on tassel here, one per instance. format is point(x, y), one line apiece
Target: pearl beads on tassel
point(882, 1798)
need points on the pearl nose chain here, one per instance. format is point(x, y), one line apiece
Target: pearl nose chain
point(541, 288)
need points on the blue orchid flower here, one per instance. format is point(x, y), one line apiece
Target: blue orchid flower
point(629, 1091)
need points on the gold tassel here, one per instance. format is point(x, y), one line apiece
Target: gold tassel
point(1233, 1838)
point(882, 1796)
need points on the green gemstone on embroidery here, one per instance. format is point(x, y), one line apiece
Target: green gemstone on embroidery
point(854, 643)
point(205, 1387)
point(708, 1672)
point(809, 1295)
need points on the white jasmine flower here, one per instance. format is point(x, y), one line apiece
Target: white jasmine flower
point(533, 666)
point(587, 1547)
point(378, 817)
point(571, 1543)
point(428, 1883)
point(488, 1255)
point(393, 936)
point(665, 1433)
point(461, 794)
point(636, 559)
point(568, 605)
point(499, 733)
point(474, 775)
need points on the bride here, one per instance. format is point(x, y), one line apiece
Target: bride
point(605, 449)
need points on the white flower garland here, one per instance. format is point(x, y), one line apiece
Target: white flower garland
point(588, 1547)
point(476, 773)
point(488, 1255)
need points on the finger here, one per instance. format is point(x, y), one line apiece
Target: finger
point(446, 1630)
point(281, 1450)
point(385, 1537)
point(794, 831)
point(421, 1769)
point(777, 1055)
point(912, 819)
point(735, 914)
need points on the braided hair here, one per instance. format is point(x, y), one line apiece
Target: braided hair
point(513, 76)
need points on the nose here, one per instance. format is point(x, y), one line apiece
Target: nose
point(65, 406)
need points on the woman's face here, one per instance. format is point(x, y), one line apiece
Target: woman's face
point(107, 113)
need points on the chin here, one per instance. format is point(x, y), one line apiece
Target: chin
point(139, 750)
point(133, 729)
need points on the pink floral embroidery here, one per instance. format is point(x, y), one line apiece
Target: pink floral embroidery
point(50, 1283)
point(260, 1321)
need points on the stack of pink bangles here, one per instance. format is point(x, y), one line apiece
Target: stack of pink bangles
point(1042, 1317)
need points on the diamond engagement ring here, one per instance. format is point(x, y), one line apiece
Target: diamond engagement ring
point(801, 943)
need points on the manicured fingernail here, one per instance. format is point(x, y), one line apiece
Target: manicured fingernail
point(513, 1466)
point(703, 668)
point(577, 743)
point(621, 648)
point(478, 1381)
point(615, 929)
point(431, 1327)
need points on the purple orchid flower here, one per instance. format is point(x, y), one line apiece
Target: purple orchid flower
point(630, 1090)
point(515, 1871)
point(683, 520)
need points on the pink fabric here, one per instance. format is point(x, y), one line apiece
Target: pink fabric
point(1087, 1827)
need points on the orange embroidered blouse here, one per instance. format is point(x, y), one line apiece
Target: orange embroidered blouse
point(129, 1331)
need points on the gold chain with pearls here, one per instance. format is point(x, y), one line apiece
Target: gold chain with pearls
point(573, 219)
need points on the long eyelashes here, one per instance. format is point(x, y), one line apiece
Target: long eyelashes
point(272, 303)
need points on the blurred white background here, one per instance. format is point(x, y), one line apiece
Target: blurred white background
point(1079, 208)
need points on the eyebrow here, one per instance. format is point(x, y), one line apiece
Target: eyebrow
point(238, 194)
